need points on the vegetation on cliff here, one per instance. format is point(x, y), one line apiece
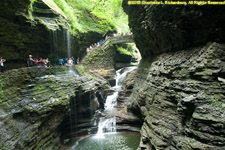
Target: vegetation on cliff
point(89, 15)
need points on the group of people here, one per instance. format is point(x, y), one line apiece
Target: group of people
point(96, 45)
point(121, 34)
point(69, 62)
point(31, 62)
point(37, 62)
point(2, 64)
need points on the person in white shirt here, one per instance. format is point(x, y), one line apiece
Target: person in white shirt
point(2, 64)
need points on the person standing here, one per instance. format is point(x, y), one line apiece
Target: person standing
point(40, 62)
point(2, 64)
point(35, 62)
point(65, 61)
point(78, 60)
point(61, 61)
point(73, 60)
point(30, 61)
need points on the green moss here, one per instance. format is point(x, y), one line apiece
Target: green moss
point(2, 85)
point(80, 69)
point(123, 51)
point(217, 103)
point(96, 54)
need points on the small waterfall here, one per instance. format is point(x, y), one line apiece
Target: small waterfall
point(121, 75)
point(106, 125)
point(55, 44)
point(68, 41)
point(109, 124)
point(73, 115)
point(111, 101)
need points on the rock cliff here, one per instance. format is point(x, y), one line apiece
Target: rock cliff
point(179, 86)
point(32, 27)
point(36, 101)
point(164, 28)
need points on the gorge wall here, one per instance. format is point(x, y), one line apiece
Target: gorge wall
point(180, 83)
point(36, 102)
point(32, 27)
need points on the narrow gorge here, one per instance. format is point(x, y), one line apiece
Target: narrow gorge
point(111, 75)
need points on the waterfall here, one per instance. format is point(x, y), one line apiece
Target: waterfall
point(73, 115)
point(68, 40)
point(109, 124)
point(106, 125)
point(111, 101)
point(121, 75)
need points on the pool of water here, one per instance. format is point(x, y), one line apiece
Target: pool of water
point(111, 141)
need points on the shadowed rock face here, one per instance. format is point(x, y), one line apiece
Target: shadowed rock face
point(163, 28)
point(179, 86)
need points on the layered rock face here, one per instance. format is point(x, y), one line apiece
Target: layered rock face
point(35, 103)
point(180, 93)
point(181, 98)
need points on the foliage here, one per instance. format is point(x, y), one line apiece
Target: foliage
point(80, 69)
point(95, 15)
point(71, 16)
point(123, 51)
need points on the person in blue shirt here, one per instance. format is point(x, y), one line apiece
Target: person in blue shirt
point(65, 61)
point(60, 61)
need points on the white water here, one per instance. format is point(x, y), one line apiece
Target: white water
point(109, 124)
point(68, 40)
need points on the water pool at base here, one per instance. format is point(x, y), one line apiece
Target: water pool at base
point(111, 141)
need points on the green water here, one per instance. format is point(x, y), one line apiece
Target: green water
point(115, 141)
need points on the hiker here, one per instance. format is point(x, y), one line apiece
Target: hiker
point(46, 62)
point(30, 61)
point(60, 61)
point(40, 62)
point(70, 62)
point(2, 64)
point(73, 60)
point(78, 60)
point(35, 62)
point(65, 61)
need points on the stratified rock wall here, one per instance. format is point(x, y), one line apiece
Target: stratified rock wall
point(180, 83)
point(34, 103)
point(181, 99)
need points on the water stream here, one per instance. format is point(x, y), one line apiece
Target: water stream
point(107, 138)
point(108, 124)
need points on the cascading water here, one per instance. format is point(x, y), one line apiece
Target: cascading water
point(108, 124)
point(69, 52)
point(68, 40)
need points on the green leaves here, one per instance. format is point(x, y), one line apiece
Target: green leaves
point(94, 15)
